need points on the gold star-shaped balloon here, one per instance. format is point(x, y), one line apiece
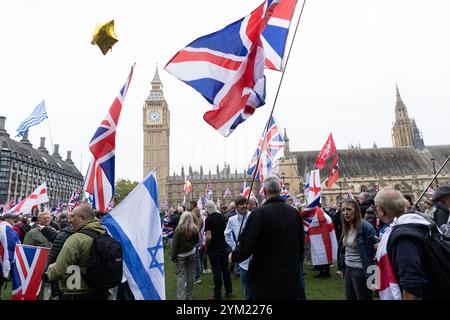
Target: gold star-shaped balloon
point(104, 36)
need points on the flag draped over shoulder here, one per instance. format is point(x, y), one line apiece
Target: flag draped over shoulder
point(38, 115)
point(27, 270)
point(388, 287)
point(135, 223)
point(37, 197)
point(227, 66)
point(100, 180)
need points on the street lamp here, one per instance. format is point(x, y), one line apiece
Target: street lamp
point(434, 170)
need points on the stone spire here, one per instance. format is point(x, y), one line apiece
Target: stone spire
point(401, 112)
point(287, 151)
point(156, 93)
point(402, 130)
point(417, 137)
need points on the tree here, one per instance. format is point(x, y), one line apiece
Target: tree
point(123, 188)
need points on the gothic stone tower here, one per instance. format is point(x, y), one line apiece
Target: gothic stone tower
point(402, 130)
point(156, 125)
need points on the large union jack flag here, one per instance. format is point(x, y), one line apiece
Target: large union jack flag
point(227, 67)
point(99, 180)
point(272, 143)
point(276, 32)
point(27, 270)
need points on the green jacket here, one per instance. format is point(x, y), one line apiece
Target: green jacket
point(34, 237)
point(183, 243)
point(75, 252)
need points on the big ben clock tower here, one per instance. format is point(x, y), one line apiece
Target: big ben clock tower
point(156, 124)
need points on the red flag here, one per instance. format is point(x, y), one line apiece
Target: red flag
point(333, 175)
point(328, 149)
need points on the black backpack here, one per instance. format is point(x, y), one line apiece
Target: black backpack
point(436, 251)
point(105, 263)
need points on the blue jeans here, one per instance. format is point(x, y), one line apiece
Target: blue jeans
point(302, 281)
point(245, 284)
point(198, 264)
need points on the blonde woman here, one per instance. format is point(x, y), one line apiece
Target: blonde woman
point(358, 251)
point(185, 240)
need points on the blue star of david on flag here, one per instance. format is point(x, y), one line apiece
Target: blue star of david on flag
point(153, 253)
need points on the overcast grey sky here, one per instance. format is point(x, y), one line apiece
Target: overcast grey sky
point(341, 78)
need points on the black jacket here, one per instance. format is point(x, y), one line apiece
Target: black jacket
point(441, 214)
point(58, 239)
point(274, 236)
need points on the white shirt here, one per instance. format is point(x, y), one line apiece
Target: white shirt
point(232, 233)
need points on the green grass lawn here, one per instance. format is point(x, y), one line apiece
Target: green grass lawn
point(316, 289)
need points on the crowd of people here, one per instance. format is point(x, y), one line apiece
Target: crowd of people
point(262, 244)
point(265, 245)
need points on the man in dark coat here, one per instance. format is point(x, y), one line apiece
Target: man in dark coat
point(274, 237)
point(442, 204)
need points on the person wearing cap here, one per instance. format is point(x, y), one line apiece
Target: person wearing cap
point(442, 204)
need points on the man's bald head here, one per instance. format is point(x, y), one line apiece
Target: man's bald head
point(390, 204)
point(82, 214)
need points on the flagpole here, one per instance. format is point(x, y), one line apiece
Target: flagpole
point(275, 102)
point(50, 132)
point(429, 184)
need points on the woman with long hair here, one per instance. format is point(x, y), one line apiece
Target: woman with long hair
point(357, 251)
point(185, 240)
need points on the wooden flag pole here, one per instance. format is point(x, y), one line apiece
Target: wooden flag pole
point(429, 184)
point(274, 104)
point(271, 114)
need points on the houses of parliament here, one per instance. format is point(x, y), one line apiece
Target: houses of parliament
point(407, 166)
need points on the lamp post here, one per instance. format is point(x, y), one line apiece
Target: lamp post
point(434, 170)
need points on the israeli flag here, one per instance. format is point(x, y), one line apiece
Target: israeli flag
point(38, 115)
point(136, 224)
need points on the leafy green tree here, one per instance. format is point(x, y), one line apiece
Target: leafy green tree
point(123, 188)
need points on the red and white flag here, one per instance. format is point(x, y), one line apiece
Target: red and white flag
point(327, 151)
point(334, 173)
point(37, 197)
point(388, 286)
point(322, 238)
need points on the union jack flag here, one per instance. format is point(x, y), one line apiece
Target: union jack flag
point(227, 66)
point(284, 193)
point(27, 270)
point(276, 32)
point(272, 143)
point(99, 179)
point(73, 199)
point(8, 240)
point(208, 191)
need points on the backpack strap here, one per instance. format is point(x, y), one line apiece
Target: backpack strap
point(92, 233)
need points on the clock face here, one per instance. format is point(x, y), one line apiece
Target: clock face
point(154, 116)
